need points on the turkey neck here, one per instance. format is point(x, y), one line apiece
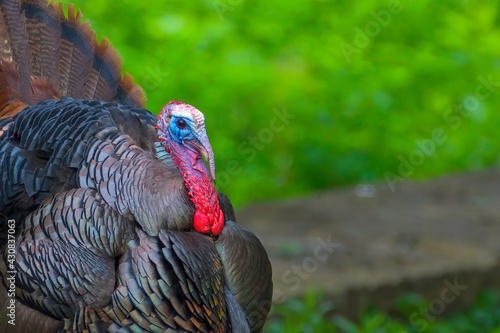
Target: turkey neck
point(208, 217)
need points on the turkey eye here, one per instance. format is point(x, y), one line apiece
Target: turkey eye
point(181, 123)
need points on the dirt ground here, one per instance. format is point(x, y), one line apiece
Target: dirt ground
point(368, 244)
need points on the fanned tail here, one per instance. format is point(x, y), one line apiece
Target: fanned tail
point(44, 55)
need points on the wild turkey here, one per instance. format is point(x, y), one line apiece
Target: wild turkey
point(108, 215)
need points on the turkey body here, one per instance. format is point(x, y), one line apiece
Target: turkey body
point(95, 216)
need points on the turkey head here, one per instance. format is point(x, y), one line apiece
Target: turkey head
point(181, 130)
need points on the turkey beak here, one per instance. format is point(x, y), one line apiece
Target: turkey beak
point(205, 149)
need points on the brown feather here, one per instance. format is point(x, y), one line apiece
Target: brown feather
point(10, 91)
point(16, 35)
point(45, 55)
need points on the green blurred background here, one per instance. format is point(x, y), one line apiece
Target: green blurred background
point(365, 84)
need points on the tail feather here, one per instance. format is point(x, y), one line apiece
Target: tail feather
point(45, 55)
point(104, 75)
point(16, 41)
point(43, 31)
point(10, 91)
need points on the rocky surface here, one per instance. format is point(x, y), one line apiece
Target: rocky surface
point(369, 244)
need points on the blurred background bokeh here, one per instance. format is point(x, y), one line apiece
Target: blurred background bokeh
point(359, 101)
point(306, 96)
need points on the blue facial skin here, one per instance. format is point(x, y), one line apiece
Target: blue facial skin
point(178, 134)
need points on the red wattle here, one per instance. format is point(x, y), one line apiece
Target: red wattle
point(218, 225)
point(201, 223)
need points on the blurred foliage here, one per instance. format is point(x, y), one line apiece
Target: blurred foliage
point(313, 315)
point(357, 112)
